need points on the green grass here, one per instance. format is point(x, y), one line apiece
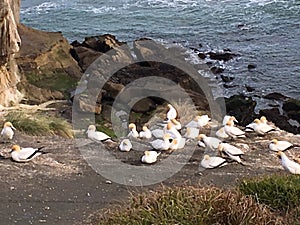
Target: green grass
point(278, 192)
point(39, 124)
point(189, 206)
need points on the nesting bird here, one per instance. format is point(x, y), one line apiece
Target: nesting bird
point(176, 124)
point(125, 145)
point(172, 113)
point(8, 131)
point(262, 128)
point(288, 164)
point(145, 133)
point(232, 131)
point(210, 162)
point(150, 157)
point(276, 145)
point(133, 132)
point(229, 118)
point(164, 144)
point(210, 142)
point(19, 154)
point(96, 135)
point(231, 151)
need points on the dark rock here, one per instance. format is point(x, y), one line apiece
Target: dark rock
point(251, 66)
point(292, 108)
point(275, 96)
point(279, 120)
point(144, 105)
point(242, 108)
point(202, 55)
point(249, 89)
point(222, 55)
point(216, 70)
point(229, 86)
point(226, 78)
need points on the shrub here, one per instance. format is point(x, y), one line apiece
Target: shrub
point(189, 205)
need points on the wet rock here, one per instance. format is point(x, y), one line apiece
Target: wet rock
point(226, 78)
point(242, 107)
point(275, 96)
point(251, 66)
point(216, 70)
point(249, 88)
point(202, 55)
point(292, 108)
point(144, 105)
point(222, 55)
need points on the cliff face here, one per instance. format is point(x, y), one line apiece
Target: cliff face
point(9, 45)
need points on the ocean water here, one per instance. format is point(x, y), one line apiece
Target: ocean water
point(263, 32)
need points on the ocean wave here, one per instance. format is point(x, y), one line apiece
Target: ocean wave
point(44, 7)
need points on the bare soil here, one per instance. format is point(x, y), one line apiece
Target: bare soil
point(61, 188)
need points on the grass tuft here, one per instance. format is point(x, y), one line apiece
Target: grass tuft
point(277, 191)
point(190, 205)
point(39, 124)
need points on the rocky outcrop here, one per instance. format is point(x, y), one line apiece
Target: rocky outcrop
point(48, 70)
point(9, 46)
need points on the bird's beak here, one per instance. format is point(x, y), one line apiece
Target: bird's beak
point(11, 151)
point(13, 127)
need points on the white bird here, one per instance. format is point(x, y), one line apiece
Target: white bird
point(177, 144)
point(231, 151)
point(276, 145)
point(262, 128)
point(288, 164)
point(150, 157)
point(145, 133)
point(133, 132)
point(229, 118)
point(170, 129)
point(210, 142)
point(172, 113)
point(96, 135)
point(221, 133)
point(176, 124)
point(191, 132)
point(125, 145)
point(203, 120)
point(233, 131)
point(164, 144)
point(210, 162)
point(7, 131)
point(19, 154)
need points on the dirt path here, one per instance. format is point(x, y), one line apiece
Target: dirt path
point(61, 188)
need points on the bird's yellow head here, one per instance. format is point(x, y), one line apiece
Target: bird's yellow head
point(9, 124)
point(229, 123)
point(147, 153)
point(274, 141)
point(206, 157)
point(145, 128)
point(279, 154)
point(15, 148)
point(175, 141)
point(263, 119)
point(257, 121)
point(169, 126)
point(92, 128)
point(201, 137)
point(220, 147)
point(132, 126)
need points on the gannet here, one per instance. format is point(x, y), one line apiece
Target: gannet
point(203, 120)
point(96, 135)
point(210, 142)
point(288, 164)
point(150, 157)
point(145, 133)
point(221, 133)
point(7, 132)
point(170, 129)
point(210, 162)
point(133, 132)
point(19, 154)
point(231, 151)
point(176, 124)
point(125, 145)
point(229, 118)
point(232, 131)
point(276, 145)
point(191, 132)
point(177, 143)
point(262, 128)
point(172, 113)
point(164, 144)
